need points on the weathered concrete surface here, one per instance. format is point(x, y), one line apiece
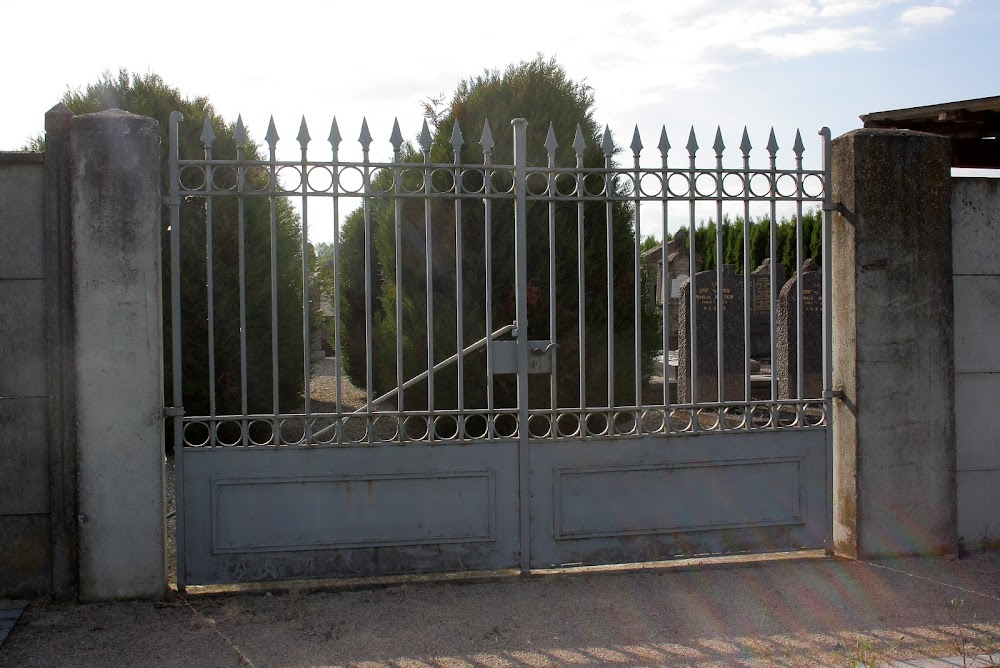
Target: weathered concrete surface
point(893, 323)
point(116, 258)
point(976, 258)
point(25, 555)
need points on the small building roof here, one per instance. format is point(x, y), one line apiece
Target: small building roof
point(972, 125)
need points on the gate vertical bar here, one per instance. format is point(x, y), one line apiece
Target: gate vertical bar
point(174, 204)
point(303, 139)
point(665, 283)
point(720, 353)
point(827, 302)
point(521, 285)
point(637, 279)
point(241, 137)
point(272, 186)
point(608, 146)
point(486, 141)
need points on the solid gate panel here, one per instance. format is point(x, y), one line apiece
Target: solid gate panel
point(325, 512)
point(655, 497)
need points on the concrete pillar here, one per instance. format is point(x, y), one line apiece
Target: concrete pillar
point(119, 374)
point(894, 427)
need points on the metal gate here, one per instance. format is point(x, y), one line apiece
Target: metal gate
point(508, 329)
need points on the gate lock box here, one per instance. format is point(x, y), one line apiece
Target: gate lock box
point(539, 356)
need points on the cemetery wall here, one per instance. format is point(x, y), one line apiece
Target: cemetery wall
point(25, 514)
point(976, 261)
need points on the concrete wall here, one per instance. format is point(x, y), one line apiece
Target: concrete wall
point(976, 262)
point(25, 521)
point(893, 323)
point(81, 376)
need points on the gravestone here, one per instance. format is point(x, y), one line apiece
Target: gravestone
point(812, 336)
point(705, 317)
point(760, 307)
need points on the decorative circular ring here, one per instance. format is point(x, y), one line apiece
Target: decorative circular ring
point(812, 186)
point(539, 426)
point(475, 427)
point(197, 434)
point(292, 431)
point(706, 185)
point(568, 425)
point(537, 183)
point(502, 181)
point(354, 428)
point(679, 185)
point(256, 178)
point(680, 419)
point(288, 179)
point(625, 423)
point(594, 185)
point(565, 185)
point(473, 181)
point(381, 181)
point(228, 433)
point(760, 184)
point(442, 181)
point(654, 420)
point(411, 180)
point(505, 425)
point(317, 425)
point(415, 428)
point(733, 185)
point(650, 184)
point(351, 180)
point(224, 177)
point(192, 177)
point(319, 179)
point(386, 428)
point(712, 421)
point(598, 424)
point(786, 185)
point(260, 432)
point(446, 427)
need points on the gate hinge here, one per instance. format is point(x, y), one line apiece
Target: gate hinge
point(833, 394)
point(171, 411)
point(171, 201)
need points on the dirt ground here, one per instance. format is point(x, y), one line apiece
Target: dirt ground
point(791, 612)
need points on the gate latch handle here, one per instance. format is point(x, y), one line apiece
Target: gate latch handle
point(542, 350)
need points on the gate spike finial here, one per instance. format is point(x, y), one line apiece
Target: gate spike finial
point(745, 144)
point(334, 138)
point(692, 145)
point(719, 145)
point(425, 137)
point(208, 134)
point(772, 145)
point(486, 141)
point(664, 144)
point(366, 137)
point(457, 140)
point(396, 139)
point(272, 135)
point(607, 144)
point(240, 135)
point(636, 142)
point(303, 136)
point(799, 147)
point(550, 141)
point(579, 143)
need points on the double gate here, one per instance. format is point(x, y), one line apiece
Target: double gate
point(510, 346)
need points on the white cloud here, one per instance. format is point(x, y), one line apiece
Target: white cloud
point(811, 42)
point(925, 15)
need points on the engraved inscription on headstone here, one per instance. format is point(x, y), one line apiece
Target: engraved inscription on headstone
point(760, 307)
point(786, 365)
point(705, 318)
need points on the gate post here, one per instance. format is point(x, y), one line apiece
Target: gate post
point(119, 370)
point(894, 490)
point(521, 286)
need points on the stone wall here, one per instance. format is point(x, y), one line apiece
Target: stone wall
point(976, 262)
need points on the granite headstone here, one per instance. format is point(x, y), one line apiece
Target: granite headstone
point(705, 319)
point(786, 365)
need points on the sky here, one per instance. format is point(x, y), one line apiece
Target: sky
point(787, 64)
